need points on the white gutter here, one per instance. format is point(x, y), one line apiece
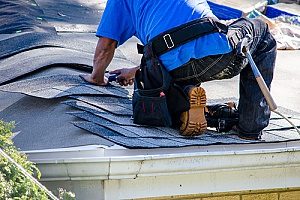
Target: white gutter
point(98, 163)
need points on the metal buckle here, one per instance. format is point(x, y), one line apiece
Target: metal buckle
point(165, 39)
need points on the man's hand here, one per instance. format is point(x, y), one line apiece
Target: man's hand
point(126, 75)
point(88, 77)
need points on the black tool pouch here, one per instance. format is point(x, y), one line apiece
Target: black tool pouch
point(155, 98)
point(151, 110)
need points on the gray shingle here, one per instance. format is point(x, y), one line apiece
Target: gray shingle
point(116, 119)
point(100, 121)
point(98, 100)
point(164, 142)
point(283, 124)
point(98, 130)
point(117, 106)
point(150, 132)
point(192, 141)
point(31, 40)
point(291, 134)
point(122, 140)
point(86, 107)
point(91, 118)
point(39, 83)
point(267, 136)
point(223, 139)
point(36, 59)
point(129, 131)
point(48, 93)
point(72, 84)
point(133, 143)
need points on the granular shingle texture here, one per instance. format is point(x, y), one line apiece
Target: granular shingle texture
point(56, 86)
point(38, 59)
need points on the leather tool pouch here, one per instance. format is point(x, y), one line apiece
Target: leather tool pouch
point(156, 100)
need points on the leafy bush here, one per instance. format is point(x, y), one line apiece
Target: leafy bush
point(13, 184)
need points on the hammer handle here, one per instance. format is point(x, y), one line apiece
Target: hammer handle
point(261, 82)
point(265, 90)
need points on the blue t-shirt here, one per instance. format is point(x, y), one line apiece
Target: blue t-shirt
point(146, 19)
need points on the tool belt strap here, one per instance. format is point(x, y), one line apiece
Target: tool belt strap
point(182, 34)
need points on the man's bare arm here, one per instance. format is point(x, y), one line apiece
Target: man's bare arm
point(103, 56)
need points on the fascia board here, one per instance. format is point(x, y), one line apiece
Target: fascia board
point(129, 167)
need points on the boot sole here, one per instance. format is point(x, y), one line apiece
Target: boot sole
point(193, 121)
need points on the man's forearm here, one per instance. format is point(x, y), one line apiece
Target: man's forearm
point(103, 56)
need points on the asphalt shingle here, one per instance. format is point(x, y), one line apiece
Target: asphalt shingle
point(129, 131)
point(58, 86)
point(289, 134)
point(37, 59)
point(122, 140)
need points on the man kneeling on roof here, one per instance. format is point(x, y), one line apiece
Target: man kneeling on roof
point(193, 46)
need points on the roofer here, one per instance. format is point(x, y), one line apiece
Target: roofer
point(189, 57)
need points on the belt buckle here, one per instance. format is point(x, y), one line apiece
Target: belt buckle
point(168, 36)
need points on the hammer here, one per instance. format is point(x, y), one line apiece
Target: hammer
point(244, 44)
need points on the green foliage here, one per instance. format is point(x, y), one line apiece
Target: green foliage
point(63, 194)
point(13, 184)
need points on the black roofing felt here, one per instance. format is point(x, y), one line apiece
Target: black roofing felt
point(71, 11)
point(22, 15)
point(73, 15)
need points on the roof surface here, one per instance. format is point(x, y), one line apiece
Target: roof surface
point(54, 108)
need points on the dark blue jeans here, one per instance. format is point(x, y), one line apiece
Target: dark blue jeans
point(254, 113)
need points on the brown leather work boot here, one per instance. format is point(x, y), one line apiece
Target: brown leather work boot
point(193, 120)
